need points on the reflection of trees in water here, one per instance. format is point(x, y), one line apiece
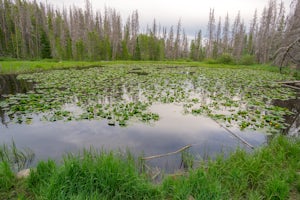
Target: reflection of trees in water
point(2, 117)
point(9, 84)
point(294, 106)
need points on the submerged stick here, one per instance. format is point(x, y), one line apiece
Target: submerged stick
point(235, 135)
point(290, 86)
point(287, 82)
point(167, 154)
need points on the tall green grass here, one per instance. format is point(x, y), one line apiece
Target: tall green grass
point(17, 159)
point(92, 175)
point(13, 160)
point(271, 172)
point(12, 67)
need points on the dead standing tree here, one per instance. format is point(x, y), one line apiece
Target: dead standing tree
point(290, 53)
point(290, 50)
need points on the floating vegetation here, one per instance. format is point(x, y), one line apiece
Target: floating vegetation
point(235, 97)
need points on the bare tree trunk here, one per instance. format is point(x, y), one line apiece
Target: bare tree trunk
point(290, 50)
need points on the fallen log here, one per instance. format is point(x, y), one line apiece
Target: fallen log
point(288, 82)
point(235, 135)
point(290, 86)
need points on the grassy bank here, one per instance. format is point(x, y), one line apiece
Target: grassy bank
point(19, 66)
point(271, 172)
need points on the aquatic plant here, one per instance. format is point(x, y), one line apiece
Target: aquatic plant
point(236, 97)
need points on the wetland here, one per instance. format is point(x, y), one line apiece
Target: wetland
point(146, 108)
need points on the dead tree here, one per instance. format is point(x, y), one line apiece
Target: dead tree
point(289, 53)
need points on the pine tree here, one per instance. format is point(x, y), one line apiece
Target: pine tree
point(45, 46)
point(137, 51)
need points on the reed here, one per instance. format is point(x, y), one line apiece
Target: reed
point(17, 159)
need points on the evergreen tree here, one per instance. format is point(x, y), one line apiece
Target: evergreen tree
point(137, 51)
point(45, 46)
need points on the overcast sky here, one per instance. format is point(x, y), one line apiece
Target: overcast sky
point(193, 13)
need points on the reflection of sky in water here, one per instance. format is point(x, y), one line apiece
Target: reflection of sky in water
point(173, 131)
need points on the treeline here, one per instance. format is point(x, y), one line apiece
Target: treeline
point(31, 30)
point(266, 40)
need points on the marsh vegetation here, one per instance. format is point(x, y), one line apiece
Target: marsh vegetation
point(271, 172)
point(235, 97)
point(120, 96)
point(173, 119)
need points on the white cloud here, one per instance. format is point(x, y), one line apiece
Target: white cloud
point(193, 13)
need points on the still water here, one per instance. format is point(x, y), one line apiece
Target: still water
point(173, 131)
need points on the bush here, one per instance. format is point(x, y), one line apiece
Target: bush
point(211, 61)
point(226, 58)
point(247, 60)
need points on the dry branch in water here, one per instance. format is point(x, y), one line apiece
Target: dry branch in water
point(290, 86)
point(288, 82)
point(167, 154)
point(235, 135)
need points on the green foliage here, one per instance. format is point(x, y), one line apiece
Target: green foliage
point(262, 175)
point(211, 61)
point(222, 83)
point(228, 59)
point(105, 49)
point(18, 159)
point(270, 172)
point(8, 182)
point(41, 175)
point(247, 60)
point(296, 74)
point(80, 50)
point(196, 186)
point(125, 53)
point(7, 177)
point(276, 188)
point(225, 59)
point(137, 52)
point(101, 175)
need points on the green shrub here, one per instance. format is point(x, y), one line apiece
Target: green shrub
point(247, 60)
point(211, 61)
point(225, 58)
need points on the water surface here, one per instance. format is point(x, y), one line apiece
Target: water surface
point(61, 112)
point(173, 131)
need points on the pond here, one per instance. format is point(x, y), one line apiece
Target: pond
point(149, 109)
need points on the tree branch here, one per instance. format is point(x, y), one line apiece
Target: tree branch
point(167, 154)
point(286, 51)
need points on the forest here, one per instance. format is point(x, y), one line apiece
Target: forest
point(31, 30)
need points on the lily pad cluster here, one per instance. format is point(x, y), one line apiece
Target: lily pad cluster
point(235, 97)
